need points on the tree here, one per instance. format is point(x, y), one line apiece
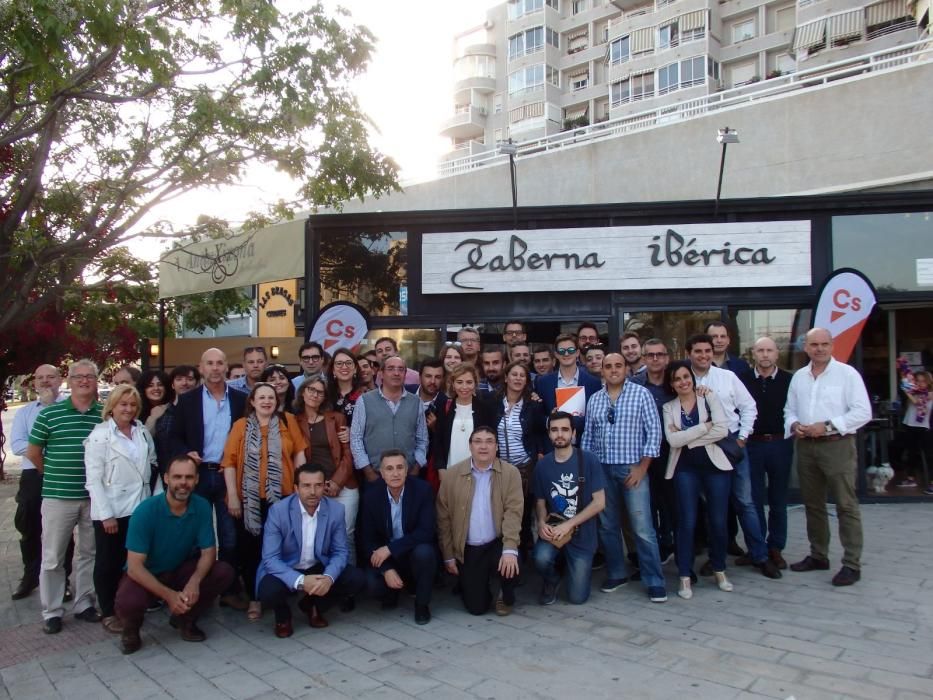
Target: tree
point(109, 108)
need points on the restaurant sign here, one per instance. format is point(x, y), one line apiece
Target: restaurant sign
point(680, 256)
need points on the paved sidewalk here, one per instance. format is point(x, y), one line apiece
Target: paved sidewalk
point(794, 637)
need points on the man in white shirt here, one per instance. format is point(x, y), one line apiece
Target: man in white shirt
point(741, 410)
point(826, 405)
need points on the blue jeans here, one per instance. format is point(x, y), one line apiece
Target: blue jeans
point(746, 512)
point(638, 504)
point(211, 485)
point(579, 568)
point(716, 486)
point(771, 461)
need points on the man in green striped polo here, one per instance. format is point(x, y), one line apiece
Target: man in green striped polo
point(56, 447)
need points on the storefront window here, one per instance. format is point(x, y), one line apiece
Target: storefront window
point(673, 327)
point(895, 251)
point(369, 269)
point(786, 327)
point(414, 344)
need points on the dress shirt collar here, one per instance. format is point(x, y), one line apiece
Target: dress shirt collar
point(400, 496)
point(475, 469)
point(773, 375)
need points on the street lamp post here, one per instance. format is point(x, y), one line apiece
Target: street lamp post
point(725, 137)
point(510, 149)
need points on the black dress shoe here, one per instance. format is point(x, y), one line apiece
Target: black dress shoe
point(130, 641)
point(768, 569)
point(809, 563)
point(24, 588)
point(422, 614)
point(390, 600)
point(69, 596)
point(52, 626)
point(284, 630)
point(847, 576)
point(89, 615)
point(189, 630)
point(348, 604)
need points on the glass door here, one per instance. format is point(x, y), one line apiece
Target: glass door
point(673, 327)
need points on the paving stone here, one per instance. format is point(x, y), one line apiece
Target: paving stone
point(902, 682)
point(798, 645)
point(848, 687)
point(784, 690)
point(884, 662)
point(292, 682)
point(405, 680)
point(746, 649)
point(241, 685)
point(836, 668)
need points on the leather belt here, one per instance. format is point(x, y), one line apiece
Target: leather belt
point(766, 437)
point(825, 438)
point(212, 466)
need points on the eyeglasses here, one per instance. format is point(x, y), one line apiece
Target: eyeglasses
point(314, 392)
point(655, 355)
point(566, 351)
point(83, 377)
point(518, 332)
point(394, 369)
point(611, 415)
point(344, 363)
point(311, 358)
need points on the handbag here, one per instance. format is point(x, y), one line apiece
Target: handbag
point(558, 518)
point(729, 444)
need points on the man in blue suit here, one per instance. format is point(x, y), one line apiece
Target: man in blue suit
point(398, 532)
point(568, 374)
point(304, 549)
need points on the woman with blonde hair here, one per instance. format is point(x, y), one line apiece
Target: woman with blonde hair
point(262, 452)
point(120, 460)
point(460, 414)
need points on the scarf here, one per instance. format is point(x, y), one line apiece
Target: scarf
point(252, 511)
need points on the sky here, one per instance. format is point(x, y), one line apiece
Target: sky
point(407, 92)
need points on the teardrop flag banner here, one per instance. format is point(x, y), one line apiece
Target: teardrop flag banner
point(340, 325)
point(844, 304)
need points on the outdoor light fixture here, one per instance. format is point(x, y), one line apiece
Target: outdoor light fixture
point(274, 352)
point(725, 137)
point(153, 349)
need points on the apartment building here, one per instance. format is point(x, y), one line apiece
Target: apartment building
point(538, 67)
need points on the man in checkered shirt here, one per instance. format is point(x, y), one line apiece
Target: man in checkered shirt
point(624, 431)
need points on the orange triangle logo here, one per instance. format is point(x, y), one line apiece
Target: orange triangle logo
point(833, 315)
point(328, 342)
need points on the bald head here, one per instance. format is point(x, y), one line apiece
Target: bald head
point(765, 351)
point(819, 346)
point(47, 380)
point(213, 367)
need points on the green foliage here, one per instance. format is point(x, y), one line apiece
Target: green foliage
point(111, 107)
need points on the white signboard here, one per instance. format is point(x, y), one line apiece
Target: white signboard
point(679, 256)
point(924, 271)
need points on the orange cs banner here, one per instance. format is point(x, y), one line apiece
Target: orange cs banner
point(843, 307)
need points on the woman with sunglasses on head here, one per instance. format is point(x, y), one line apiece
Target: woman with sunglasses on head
point(451, 356)
point(343, 387)
point(697, 465)
point(277, 376)
point(156, 393)
point(458, 416)
point(260, 457)
point(521, 441)
point(322, 427)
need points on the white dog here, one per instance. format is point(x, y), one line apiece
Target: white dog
point(878, 477)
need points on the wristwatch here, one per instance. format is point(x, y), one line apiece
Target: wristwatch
point(829, 427)
point(300, 583)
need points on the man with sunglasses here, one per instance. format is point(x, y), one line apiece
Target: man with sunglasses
point(624, 431)
point(254, 360)
point(311, 359)
point(568, 374)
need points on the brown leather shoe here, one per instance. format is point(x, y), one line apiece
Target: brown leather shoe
point(809, 563)
point(284, 629)
point(190, 632)
point(733, 549)
point(775, 556)
point(112, 624)
point(847, 576)
point(130, 641)
point(316, 619)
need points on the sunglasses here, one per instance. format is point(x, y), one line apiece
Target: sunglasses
point(254, 348)
point(611, 415)
point(452, 344)
point(566, 351)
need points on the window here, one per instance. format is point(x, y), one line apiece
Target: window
point(552, 3)
point(620, 93)
point(642, 86)
point(667, 36)
point(785, 19)
point(497, 135)
point(692, 35)
point(526, 79)
point(367, 269)
point(553, 76)
point(526, 42)
point(886, 17)
point(497, 103)
point(785, 326)
point(580, 81)
point(691, 72)
point(743, 73)
point(553, 38)
point(579, 6)
point(712, 68)
point(517, 8)
point(785, 63)
point(667, 78)
point(619, 51)
point(743, 30)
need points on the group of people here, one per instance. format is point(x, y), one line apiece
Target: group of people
point(361, 474)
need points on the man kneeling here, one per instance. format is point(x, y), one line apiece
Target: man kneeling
point(162, 560)
point(304, 548)
point(398, 530)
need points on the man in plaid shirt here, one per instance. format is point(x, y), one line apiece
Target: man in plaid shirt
point(624, 431)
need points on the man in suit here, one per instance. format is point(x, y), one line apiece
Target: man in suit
point(203, 417)
point(568, 374)
point(398, 531)
point(304, 548)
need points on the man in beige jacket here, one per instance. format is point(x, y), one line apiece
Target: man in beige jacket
point(479, 515)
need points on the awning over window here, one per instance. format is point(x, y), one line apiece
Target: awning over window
point(578, 73)
point(579, 34)
point(846, 24)
point(810, 34)
point(886, 11)
point(575, 112)
point(693, 20)
point(642, 40)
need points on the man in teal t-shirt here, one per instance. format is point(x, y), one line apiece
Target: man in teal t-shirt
point(171, 554)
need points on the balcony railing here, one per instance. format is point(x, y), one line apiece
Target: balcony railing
point(854, 68)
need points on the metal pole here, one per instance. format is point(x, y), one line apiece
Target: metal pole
point(722, 167)
point(514, 191)
point(161, 335)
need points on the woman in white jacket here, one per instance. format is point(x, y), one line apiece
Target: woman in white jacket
point(692, 426)
point(119, 458)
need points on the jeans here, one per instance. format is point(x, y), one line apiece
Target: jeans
point(716, 485)
point(578, 567)
point(747, 513)
point(770, 462)
point(211, 485)
point(638, 503)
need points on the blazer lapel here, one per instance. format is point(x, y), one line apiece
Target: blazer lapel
point(322, 512)
point(294, 516)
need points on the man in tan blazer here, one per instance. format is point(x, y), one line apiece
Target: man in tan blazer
point(479, 515)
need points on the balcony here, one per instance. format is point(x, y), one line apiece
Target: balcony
point(626, 5)
point(467, 121)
